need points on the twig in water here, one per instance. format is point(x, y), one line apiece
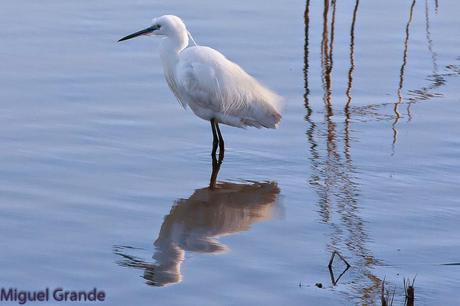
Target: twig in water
point(409, 291)
point(385, 296)
point(338, 254)
point(331, 272)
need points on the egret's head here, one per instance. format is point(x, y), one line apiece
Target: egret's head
point(166, 25)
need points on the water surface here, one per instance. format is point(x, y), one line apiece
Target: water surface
point(103, 177)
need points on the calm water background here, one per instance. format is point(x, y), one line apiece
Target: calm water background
point(98, 161)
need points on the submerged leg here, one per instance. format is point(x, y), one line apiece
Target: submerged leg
point(217, 141)
point(221, 143)
point(215, 171)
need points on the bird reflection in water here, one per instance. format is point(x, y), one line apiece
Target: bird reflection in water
point(196, 223)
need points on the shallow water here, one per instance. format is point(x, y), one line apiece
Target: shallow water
point(103, 177)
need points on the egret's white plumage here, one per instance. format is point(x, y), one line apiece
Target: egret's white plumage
point(214, 87)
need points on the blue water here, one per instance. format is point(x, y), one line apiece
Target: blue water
point(103, 176)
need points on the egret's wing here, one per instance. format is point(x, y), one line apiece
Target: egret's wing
point(199, 84)
point(208, 79)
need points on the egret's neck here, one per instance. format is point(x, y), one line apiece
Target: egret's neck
point(171, 46)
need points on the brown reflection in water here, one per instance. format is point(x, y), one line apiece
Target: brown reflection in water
point(429, 40)
point(216, 163)
point(332, 167)
point(350, 81)
point(311, 124)
point(333, 174)
point(326, 56)
point(436, 79)
point(330, 145)
point(352, 61)
point(306, 54)
point(401, 76)
point(196, 223)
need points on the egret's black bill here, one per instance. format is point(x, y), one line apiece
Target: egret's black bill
point(141, 32)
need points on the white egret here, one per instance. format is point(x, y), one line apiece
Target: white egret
point(215, 88)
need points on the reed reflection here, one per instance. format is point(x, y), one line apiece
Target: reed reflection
point(434, 55)
point(195, 224)
point(331, 139)
point(352, 61)
point(436, 79)
point(332, 165)
point(407, 97)
point(402, 70)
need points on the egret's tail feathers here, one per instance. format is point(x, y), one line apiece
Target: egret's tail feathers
point(268, 120)
point(266, 112)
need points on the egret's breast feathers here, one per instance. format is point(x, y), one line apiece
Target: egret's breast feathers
point(171, 80)
point(205, 78)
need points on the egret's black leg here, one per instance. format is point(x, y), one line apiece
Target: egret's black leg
point(215, 139)
point(215, 163)
point(221, 143)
